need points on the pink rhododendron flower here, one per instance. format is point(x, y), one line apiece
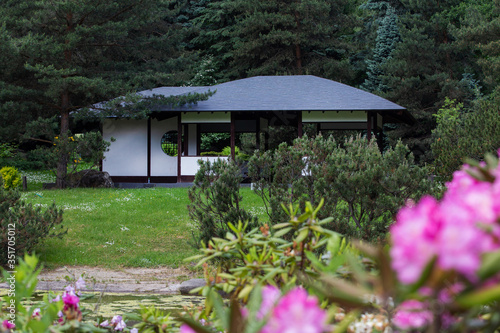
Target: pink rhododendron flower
point(270, 295)
point(414, 237)
point(71, 300)
point(412, 314)
point(457, 231)
point(296, 312)
point(186, 329)
point(8, 325)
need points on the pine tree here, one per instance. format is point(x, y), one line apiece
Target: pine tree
point(269, 37)
point(77, 53)
point(425, 68)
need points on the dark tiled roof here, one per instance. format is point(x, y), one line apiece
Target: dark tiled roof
point(285, 93)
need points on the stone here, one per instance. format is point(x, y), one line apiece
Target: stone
point(90, 178)
point(189, 285)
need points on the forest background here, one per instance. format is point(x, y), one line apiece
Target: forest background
point(60, 56)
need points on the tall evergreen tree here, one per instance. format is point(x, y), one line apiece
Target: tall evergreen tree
point(425, 68)
point(480, 31)
point(388, 37)
point(77, 53)
point(268, 37)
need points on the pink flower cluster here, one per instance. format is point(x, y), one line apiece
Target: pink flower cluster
point(456, 231)
point(295, 312)
point(412, 314)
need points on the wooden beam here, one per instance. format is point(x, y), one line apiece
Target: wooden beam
point(179, 147)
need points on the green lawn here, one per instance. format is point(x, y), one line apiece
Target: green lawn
point(123, 227)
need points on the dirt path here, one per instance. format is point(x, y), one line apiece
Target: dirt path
point(160, 280)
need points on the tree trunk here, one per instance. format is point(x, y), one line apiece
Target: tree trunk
point(62, 164)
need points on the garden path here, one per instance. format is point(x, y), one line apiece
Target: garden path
point(160, 280)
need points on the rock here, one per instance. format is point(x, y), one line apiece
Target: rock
point(90, 178)
point(189, 285)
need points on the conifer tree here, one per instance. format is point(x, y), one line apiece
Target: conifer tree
point(269, 37)
point(77, 53)
point(388, 37)
point(425, 68)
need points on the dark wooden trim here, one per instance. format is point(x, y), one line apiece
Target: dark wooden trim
point(187, 179)
point(233, 136)
point(149, 147)
point(164, 179)
point(299, 124)
point(129, 179)
point(179, 147)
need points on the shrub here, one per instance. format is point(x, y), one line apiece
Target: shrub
point(362, 187)
point(463, 132)
point(30, 224)
point(215, 199)
point(11, 178)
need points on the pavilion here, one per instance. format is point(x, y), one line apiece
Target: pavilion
point(242, 106)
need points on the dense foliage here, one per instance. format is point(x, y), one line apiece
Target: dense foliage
point(362, 187)
point(464, 132)
point(28, 225)
point(215, 199)
point(10, 177)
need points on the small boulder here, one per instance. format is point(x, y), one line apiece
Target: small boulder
point(189, 285)
point(90, 178)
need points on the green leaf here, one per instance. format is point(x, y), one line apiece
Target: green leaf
point(489, 265)
point(302, 235)
point(479, 297)
point(282, 232)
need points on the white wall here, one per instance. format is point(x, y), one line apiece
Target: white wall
point(161, 163)
point(189, 164)
point(128, 155)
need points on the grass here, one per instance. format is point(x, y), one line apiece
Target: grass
point(123, 227)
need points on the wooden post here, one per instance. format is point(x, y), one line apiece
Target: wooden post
point(299, 126)
point(257, 133)
point(25, 183)
point(368, 126)
point(149, 149)
point(179, 147)
point(233, 137)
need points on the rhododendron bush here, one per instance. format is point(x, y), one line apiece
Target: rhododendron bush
point(440, 272)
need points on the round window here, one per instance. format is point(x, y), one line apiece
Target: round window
point(169, 143)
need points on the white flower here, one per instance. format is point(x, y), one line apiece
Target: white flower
point(104, 324)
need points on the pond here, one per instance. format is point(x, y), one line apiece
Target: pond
point(108, 305)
